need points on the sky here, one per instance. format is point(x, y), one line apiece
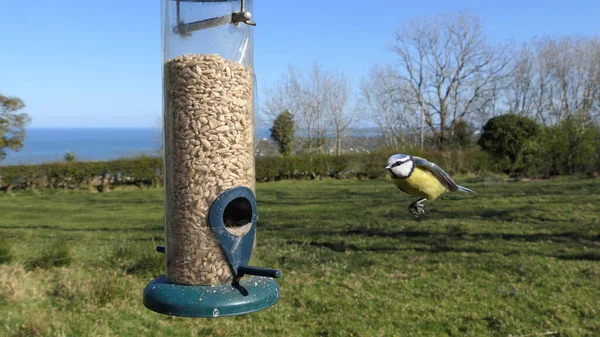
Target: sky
point(98, 63)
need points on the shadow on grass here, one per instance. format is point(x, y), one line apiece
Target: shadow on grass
point(88, 229)
point(340, 246)
point(519, 214)
point(343, 247)
point(440, 242)
point(591, 256)
point(559, 237)
point(441, 247)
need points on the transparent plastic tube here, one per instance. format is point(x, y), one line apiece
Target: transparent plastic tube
point(208, 129)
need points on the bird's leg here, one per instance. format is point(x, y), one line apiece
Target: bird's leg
point(417, 207)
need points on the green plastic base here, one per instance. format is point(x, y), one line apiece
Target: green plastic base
point(254, 294)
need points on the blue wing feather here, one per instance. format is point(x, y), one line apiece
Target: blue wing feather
point(440, 174)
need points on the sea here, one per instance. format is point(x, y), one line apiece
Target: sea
point(44, 145)
point(51, 144)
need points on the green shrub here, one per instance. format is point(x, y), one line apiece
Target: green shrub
point(462, 135)
point(138, 171)
point(506, 139)
point(506, 150)
point(569, 147)
point(282, 132)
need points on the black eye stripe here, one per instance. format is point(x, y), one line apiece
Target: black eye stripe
point(397, 163)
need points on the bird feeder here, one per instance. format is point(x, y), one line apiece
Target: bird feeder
point(209, 172)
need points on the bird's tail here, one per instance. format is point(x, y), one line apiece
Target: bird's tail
point(464, 189)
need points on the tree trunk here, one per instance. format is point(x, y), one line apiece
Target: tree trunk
point(310, 139)
point(89, 184)
point(422, 120)
point(105, 184)
point(442, 138)
point(338, 144)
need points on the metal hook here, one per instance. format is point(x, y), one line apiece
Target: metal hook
point(235, 18)
point(243, 16)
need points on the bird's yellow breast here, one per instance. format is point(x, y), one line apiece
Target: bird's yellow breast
point(421, 183)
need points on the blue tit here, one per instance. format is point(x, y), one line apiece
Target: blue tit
point(420, 178)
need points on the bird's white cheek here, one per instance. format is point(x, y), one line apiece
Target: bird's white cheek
point(404, 170)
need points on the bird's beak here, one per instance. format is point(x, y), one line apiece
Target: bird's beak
point(388, 168)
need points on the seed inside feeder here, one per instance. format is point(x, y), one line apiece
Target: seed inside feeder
point(237, 216)
point(209, 138)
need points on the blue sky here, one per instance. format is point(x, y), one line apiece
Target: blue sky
point(97, 63)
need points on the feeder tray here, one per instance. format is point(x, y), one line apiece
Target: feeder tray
point(249, 295)
point(253, 294)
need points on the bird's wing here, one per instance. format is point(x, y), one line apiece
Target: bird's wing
point(437, 171)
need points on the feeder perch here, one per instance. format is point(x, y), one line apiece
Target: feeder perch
point(208, 132)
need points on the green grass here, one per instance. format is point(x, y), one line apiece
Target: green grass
point(514, 259)
point(54, 254)
point(5, 251)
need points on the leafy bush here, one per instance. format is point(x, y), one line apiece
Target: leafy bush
point(507, 139)
point(282, 132)
point(570, 147)
point(506, 151)
point(138, 171)
point(462, 135)
point(147, 171)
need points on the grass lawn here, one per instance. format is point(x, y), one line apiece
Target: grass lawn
point(514, 259)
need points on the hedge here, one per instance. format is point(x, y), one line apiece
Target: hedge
point(140, 171)
point(147, 171)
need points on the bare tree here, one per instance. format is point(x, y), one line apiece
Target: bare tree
point(449, 68)
point(556, 78)
point(593, 95)
point(382, 98)
point(339, 115)
point(574, 67)
point(304, 93)
point(276, 101)
point(520, 91)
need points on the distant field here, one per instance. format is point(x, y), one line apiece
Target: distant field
point(516, 259)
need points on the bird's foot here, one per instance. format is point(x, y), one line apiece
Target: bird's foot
point(417, 208)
